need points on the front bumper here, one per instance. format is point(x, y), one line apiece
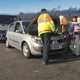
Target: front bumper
point(58, 46)
point(36, 48)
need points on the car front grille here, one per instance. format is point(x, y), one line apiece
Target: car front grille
point(61, 40)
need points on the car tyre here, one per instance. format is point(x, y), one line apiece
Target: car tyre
point(26, 50)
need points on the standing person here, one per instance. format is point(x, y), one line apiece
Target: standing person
point(77, 37)
point(76, 34)
point(45, 27)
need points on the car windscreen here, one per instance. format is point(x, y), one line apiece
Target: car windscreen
point(25, 25)
point(33, 29)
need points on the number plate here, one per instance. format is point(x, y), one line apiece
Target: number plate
point(55, 45)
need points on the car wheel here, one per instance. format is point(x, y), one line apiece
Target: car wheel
point(26, 51)
point(7, 44)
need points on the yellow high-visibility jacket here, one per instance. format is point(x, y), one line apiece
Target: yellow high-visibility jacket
point(45, 24)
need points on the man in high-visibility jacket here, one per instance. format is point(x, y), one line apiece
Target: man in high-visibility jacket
point(45, 27)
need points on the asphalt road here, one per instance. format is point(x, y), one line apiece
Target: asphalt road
point(13, 66)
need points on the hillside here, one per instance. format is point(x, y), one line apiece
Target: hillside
point(6, 19)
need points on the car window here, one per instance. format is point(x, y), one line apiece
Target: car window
point(18, 28)
point(11, 27)
point(33, 29)
point(25, 25)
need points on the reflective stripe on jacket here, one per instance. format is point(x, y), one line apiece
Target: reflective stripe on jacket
point(45, 24)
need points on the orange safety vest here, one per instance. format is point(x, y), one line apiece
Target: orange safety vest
point(45, 24)
point(63, 22)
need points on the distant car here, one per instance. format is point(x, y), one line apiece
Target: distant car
point(2, 35)
point(24, 37)
point(3, 30)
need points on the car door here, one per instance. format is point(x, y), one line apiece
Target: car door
point(10, 34)
point(18, 35)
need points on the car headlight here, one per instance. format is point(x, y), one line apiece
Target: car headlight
point(36, 40)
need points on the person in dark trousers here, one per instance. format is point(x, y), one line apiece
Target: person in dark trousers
point(45, 27)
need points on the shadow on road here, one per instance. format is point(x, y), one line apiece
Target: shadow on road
point(2, 41)
point(62, 58)
point(59, 58)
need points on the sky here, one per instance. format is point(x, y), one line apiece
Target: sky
point(28, 6)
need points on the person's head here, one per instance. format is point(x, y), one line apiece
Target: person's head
point(74, 19)
point(44, 10)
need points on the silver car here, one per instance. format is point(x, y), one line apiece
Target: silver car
point(23, 36)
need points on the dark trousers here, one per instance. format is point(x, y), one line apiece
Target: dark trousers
point(46, 46)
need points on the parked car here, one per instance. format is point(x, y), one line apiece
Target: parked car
point(3, 31)
point(24, 37)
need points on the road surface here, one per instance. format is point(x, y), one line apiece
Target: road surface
point(13, 66)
